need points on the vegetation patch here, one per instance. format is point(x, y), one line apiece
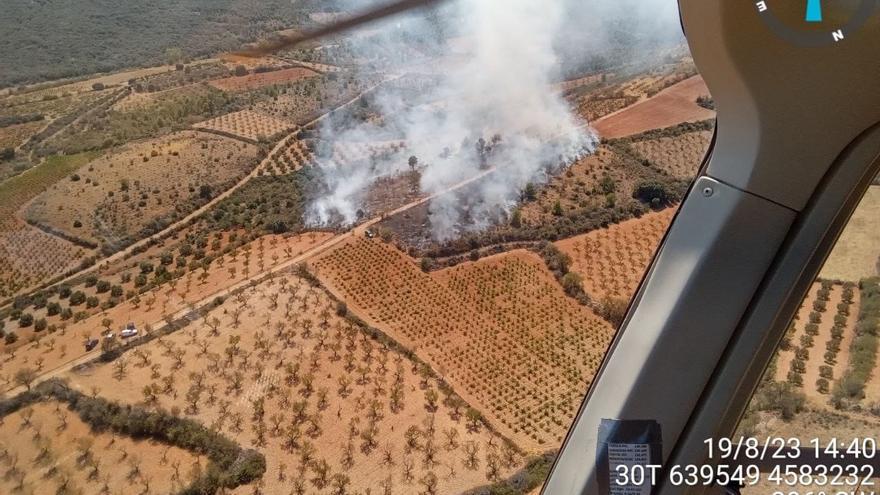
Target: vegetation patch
point(230, 466)
point(850, 389)
point(27, 255)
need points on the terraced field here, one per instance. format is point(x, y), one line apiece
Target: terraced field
point(247, 124)
point(28, 255)
point(500, 330)
point(612, 261)
point(135, 190)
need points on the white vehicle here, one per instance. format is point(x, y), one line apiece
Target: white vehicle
point(128, 331)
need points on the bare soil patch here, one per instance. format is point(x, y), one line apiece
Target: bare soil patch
point(46, 445)
point(669, 107)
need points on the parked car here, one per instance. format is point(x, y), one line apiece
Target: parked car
point(129, 331)
point(90, 344)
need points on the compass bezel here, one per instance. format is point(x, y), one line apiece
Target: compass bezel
point(837, 34)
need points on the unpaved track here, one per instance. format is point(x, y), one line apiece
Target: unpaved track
point(286, 265)
point(213, 202)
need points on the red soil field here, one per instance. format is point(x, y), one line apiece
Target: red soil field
point(308, 389)
point(500, 330)
point(613, 260)
point(253, 81)
point(671, 106)
point(52, 447)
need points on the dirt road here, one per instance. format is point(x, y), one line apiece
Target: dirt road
point(280, 268)
point(210, 204)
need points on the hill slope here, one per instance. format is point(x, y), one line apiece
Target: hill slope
point(50, 39)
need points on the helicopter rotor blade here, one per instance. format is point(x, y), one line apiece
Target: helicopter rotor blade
point(372, 15)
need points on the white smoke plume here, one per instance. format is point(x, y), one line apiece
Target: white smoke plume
point(491, 72)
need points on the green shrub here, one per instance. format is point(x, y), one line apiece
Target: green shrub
point(806, 341)
point(655, 194)
point(25, 320)
point(782, 398)
point(230, 465)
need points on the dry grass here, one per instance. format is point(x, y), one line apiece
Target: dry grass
point(15, 135)
point(857, 253)
point(120, 196)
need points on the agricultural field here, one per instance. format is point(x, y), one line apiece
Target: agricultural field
point(607, 187)
point(162, 113)
point(147, 291)
point(678, 151)
point(669, 107)
point(600, 95)
point(47, 445)
point(815, 352)
point(612, 261)
point(500, 330)
point(27, 255)
point(823, 381)
point(14, 135)
point(276, 368)
point(857, 252)
point(135, 190)
point(262, 79)
point(275, 353)
point(294, 156)
point(306, 99)
point(50, 105)
point(249, 125)
point(189, 74)
point(231, 61)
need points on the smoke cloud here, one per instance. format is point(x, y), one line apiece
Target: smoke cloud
point(472, 91)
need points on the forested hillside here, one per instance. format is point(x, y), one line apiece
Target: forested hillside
point(50, 39)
